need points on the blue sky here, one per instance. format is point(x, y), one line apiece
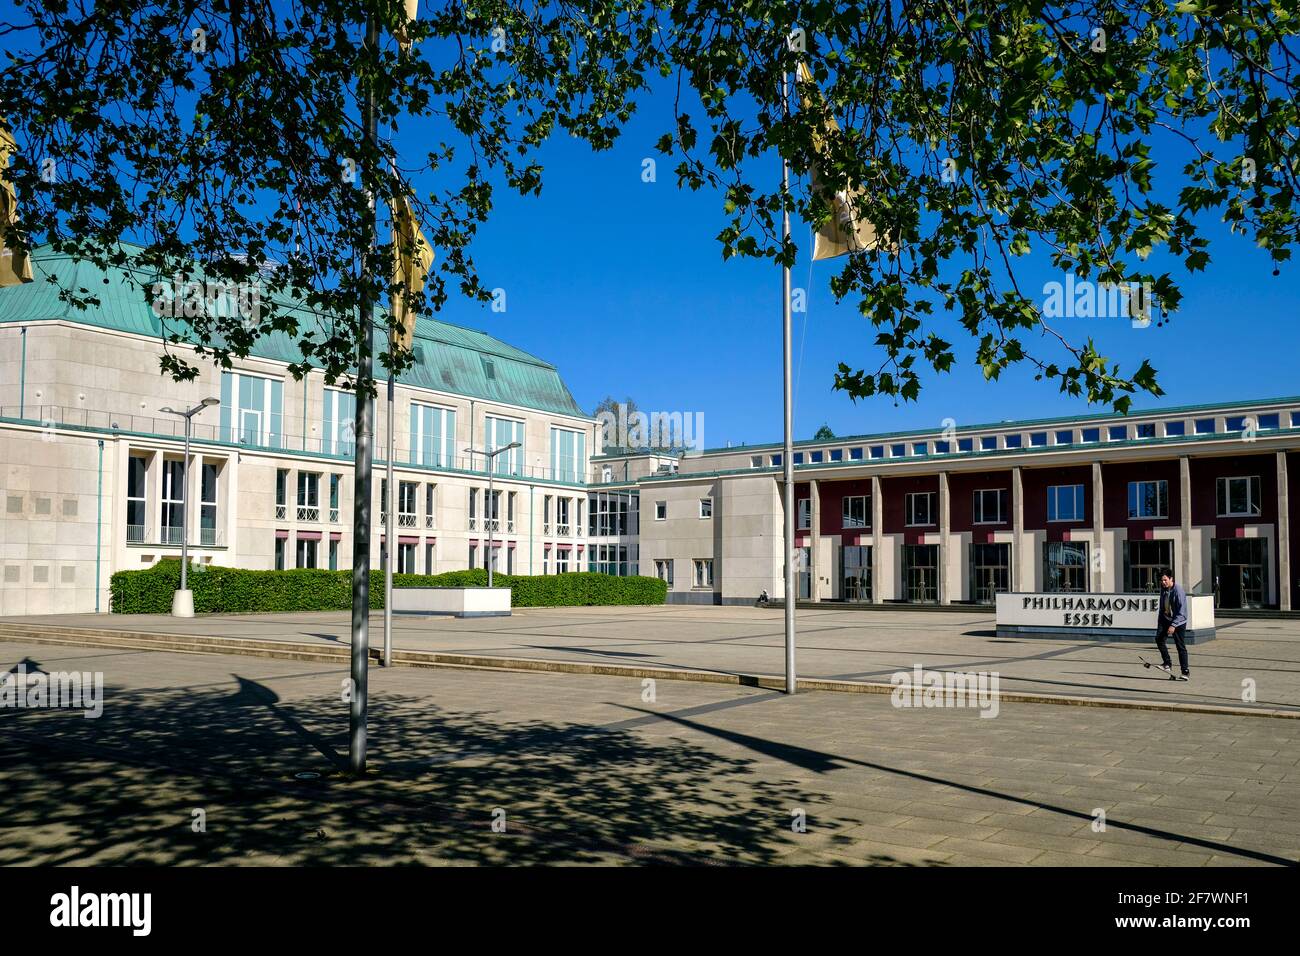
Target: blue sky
point(621, 284)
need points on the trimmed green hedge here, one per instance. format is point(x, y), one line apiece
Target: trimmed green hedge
point(235, 590)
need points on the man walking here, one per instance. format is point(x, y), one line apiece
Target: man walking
point(1172, 622)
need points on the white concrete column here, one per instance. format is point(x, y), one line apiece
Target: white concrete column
point(814, 540)
point(1019, 581)
point(877, 531)
point(1283, 535)
point(1185, 515)
point(1098, 530)
point(945, 596)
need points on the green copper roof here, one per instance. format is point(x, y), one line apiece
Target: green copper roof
point(449, 358)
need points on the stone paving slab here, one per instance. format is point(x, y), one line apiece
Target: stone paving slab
point(832, 644)
point(596, 771)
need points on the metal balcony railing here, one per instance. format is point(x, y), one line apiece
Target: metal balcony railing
point(308, 513)
point(135, 534)
point(170, 535)
point(335, 518)
point(281, 512)
point(562, 530)
point(66, 416)
point(406, 519)
point(428, 521)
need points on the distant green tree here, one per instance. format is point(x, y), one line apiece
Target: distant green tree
point(824, 434)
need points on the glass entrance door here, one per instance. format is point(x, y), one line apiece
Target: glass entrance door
point(1143, 562)
point(803, 572)
point(857, 572)
point(1240, 572)
point(921, 573)
point(1065, 566)
point(990, 571)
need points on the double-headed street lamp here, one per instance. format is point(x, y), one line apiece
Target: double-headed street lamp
point(490, 506)
point(183, 600)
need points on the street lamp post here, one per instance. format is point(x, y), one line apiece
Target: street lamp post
point(183, 600)
point(487, 519)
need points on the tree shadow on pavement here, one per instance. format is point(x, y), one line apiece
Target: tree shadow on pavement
point(204, 775)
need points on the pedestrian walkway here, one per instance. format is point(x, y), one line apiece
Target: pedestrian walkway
point(1257, 659)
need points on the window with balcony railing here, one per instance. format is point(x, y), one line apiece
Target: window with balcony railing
point(406, 519)
point(135, 534)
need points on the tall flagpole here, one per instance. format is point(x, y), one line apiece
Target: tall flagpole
point(389, 540)
point(787, 457)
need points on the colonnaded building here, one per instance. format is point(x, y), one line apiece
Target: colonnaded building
point(92, 474)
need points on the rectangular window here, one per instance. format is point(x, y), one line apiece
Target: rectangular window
point(704, 572)
point(965, 444)
point(942, 447)
point(562, 561)
point(1065, 503)
point(433, 436)
point(282, 494)
point(334, 554)
point(308, 496)
point(430, 506)
point(776, 461)
point(920, 448)
point(877, 451)
point(207, 504)
point(430, 557)
point(252, 410)
point(1090, 435)
point(798, 458)
point(1065, 438)
point(1239, 497)
point(498, 433)
point(1117, 433)
point(857, 511)
point(664, 571)
point(1037, 439)
point(920, 508)
point(855, 454)
point(336, 484)
point(661, 510)
point(1204, 426)
point(989, 506)
point(1235, 423)
point(815, 457)
point(568, 455)
point(136, 499)
point(1143, 562)
point(1269, 421)
point(897, 451)
point(173, 500)
point(1175, 429)
point(339, 420)
point(755, 461)
point(562, 526)
point(837, 454)
point(405, 557)
point(279, 552)
point(473, 556)
point(406, 507)
point(706, 507)
point(1148, 499)
point(988, 443)
point(804, 514)
point(1145, 429)
point(1011, 441)
point(306, 553)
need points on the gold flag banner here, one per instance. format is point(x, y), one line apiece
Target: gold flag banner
point(412, 14)
point(846, 231)
point(15, 267)
point(412, 259)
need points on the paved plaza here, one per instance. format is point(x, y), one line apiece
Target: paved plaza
point(1262, 655)
point(583, 769)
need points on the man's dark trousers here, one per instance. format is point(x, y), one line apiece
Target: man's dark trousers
point(1162, 635)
